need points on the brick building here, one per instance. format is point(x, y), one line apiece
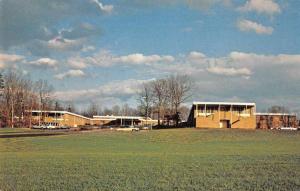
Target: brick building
point(222, 115)
point(276, 120)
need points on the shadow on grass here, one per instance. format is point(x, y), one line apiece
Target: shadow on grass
point(29, 135)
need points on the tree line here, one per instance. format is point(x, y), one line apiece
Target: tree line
point(159, 99)
point(164, 98)
point(20, 94)
point(94, 109)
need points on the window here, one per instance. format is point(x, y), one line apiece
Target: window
point(241, 110)
point(201, 108)
point(212, 108)
point(225, 107)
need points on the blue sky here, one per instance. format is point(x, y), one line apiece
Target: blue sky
point(102, 51)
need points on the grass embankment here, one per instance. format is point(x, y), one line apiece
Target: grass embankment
point(178, 159)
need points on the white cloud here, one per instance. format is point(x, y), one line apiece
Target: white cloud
point(193, 4)
point(142, 59)
point(77, 62)
point(70, 73)
point(9, 59)
point(105, 8)
point(268, 7)
point(234, 64)
point(116, 89)
point(179, 68)
point(44, 62)
point(104, 58)
point(126, 87)
point(60, 43)
point(88, 48)
point(252, 59)
point(247, 25)
point(229, 71)
point(217, 78)
point(196, 55)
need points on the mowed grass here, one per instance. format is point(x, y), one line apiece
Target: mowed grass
point(178, 159)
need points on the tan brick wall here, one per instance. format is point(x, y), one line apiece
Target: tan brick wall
point(65, 120)
point(75, 121)
point(236, 121)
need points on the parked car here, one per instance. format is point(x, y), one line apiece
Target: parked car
point(146, 128)
point(64, 127)
point(128, 129)
point(51, 126)
point(47, 126)
point(36, 127)
point(288, 128)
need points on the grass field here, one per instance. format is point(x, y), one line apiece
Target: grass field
point(179, 159)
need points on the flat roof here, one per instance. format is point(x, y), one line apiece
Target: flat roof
point(223, 103)
point(277, 114)
point(119, 117)
point(61, 112)
point(96, 117)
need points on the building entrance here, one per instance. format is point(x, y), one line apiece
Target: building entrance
point(225, 124)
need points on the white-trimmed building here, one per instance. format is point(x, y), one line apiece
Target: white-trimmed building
point(223, 115)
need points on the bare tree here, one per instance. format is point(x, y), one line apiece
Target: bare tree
point(278, 109)
point(19, 96)
point(70, 107)
point(93, 110)
point(24, 100)
point(32, 103)
point(159, 92)
point(12, 80)
point(179, 88)
point(184, 112)
point(145, 99)
point(107, 111)
point(58, 106)
point(116, 110)
point(44, 90)
point(126, 110)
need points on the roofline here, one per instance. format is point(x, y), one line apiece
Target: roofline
point(224, 103)
point(96, 117)
point(119, 117)
point(62, 112)
point(277, 114)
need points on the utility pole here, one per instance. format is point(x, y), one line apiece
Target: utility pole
point(2, 86)
point(146, 108)
point(12, 107)
point(12, 114)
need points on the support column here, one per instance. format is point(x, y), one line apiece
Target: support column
point(230, 115)
point(219, 108)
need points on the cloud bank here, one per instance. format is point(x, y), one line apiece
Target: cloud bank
point(268, 7)
point(249, 26)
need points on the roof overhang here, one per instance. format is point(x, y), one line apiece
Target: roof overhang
point(276, 114)
point(224, 103)
point(112, 117)
point(61, 112)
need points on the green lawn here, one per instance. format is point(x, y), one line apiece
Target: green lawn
point(179, 159)
point(15, 130)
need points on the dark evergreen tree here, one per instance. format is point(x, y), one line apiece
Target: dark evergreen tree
point(1, 82)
